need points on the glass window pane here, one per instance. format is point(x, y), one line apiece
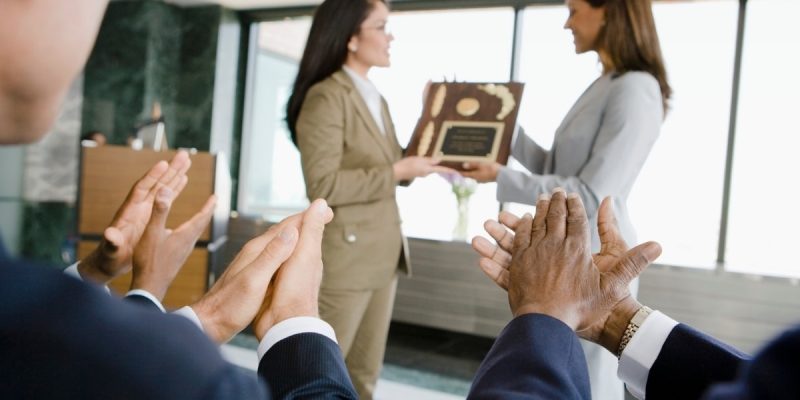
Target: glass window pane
point(271, 178)
point(434, 45)
point(677, 199)
point(554, 77)
point(762, 232)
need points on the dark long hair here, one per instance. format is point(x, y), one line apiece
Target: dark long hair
point(335, 22)
point(630, 41)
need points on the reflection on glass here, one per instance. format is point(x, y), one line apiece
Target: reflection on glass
point(763, 221)
point(464, 45)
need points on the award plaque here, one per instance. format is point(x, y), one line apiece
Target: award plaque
point(467, 122)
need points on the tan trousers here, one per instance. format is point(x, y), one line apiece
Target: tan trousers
point(361, 321)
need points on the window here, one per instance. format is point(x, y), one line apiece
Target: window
point(679, 194)
point(271, 179)
point(762, 230)
point(677, 198)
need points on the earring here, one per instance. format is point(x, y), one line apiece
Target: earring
point(352, 48)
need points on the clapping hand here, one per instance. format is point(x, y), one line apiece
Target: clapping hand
point(113, 256)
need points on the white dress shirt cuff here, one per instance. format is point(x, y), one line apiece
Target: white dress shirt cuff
point(294, 326)
point(72, 271)
point(642, 351)
point(148, 296)
point(188, 312)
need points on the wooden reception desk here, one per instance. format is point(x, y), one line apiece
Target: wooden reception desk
point(107, 174)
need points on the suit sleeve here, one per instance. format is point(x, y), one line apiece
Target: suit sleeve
point(307, 365)
point(321, 140)
point(535, 357)
point(695, 361)
point(630, 125)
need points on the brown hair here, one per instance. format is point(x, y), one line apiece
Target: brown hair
point(334, 23)
point(629, 41)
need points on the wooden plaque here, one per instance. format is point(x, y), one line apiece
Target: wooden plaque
point(467, 122)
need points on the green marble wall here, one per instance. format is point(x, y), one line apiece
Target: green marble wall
point(150, 51)
point(146, 51)
point(49, 233)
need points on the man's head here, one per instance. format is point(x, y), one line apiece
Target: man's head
point(44, 44)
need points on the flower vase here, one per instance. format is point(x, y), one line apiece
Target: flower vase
point(462, 223)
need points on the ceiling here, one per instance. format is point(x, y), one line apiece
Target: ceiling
point(246, 4)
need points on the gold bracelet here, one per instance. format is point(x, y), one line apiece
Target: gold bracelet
point(633, 326)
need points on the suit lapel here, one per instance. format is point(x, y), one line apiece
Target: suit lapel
point(587, 97)
point(391, 135)
point(364, 114)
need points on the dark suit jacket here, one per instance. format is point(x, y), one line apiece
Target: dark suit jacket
point(538, 357)
point(535, 357)
point(65, 339)
point(706, 368)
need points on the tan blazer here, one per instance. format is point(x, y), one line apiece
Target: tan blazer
point(348, 162)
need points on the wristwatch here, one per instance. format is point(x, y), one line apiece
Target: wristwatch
point(633, 326)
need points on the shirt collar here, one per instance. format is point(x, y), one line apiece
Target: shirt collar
point(363, 85)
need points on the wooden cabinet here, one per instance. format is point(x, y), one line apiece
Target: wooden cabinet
point(107, 174)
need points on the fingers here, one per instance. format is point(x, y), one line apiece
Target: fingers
point(261, 270)
point(488, 250)
point(440, 169)
point(607, 226)
point(253, 248)
point(181, 185)
point(577, 221)
point(314, 220)
point(495, 272)
point(161, 207)
point(498, 232)
point(522, 236)
point(113, 238)
point(557, 215)
point(539, 226)
point(178, 166)
point(145, 184)
point(634, 262)
point(508, 219)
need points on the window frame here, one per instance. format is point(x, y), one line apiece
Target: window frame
point(250, 18)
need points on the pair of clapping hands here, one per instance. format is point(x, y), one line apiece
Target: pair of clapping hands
point(138, 239)
point(547, 267)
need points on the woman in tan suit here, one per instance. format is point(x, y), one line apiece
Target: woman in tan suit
point(351, 157)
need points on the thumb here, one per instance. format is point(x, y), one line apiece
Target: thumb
point(161, 207)
point(607, 226)
point(634, 262)
point(198, 222)
point(314, 220)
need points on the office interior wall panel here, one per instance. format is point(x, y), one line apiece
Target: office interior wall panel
point(108, 172)
point(449, 291)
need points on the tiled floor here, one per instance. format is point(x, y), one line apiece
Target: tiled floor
point(420, 363)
